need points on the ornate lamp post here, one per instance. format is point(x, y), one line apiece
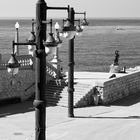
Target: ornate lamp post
point(70, 24)
point(39, 103)
point(69, 32)
point(40, 68)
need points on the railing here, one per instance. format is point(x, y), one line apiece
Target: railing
point(27, 62)
point(51, 71)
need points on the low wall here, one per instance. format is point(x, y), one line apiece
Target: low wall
point(20, 86)
point(116, 88)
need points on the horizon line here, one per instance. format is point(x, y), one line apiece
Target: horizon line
point(19, 18)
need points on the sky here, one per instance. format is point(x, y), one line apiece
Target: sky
point(93, 8)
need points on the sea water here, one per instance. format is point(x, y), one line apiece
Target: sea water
point(94, 50)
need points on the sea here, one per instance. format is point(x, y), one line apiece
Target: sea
point(94, 49)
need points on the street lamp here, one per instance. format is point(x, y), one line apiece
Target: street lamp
point(68, 30)
point(16, 49)
point(50, 43)
point(84, 22)
point(40, 68)
point(39, 103)
point(13, 66)
point(32, 38)
point(41, 43)
point(71, 19)
point(79, 29)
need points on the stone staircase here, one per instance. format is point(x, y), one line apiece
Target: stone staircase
point(56, 90)
point(57, 94)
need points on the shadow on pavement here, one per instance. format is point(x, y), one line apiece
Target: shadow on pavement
point(17, 108)
point(91, 117)
point(126, 101)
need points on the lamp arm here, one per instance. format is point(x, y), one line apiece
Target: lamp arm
point(57, 8)
point(22, 43)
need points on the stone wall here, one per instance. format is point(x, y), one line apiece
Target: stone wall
point(20, 86)
point(116, 88)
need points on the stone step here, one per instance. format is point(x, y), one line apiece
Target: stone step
point(57, 82)
point(54, 99)
point(53, 85)
point(77, 94)
point(58, 94)
point(53, 90)
point(64, 96)
point(64, 91)
point(57, 101)
point(51, 103)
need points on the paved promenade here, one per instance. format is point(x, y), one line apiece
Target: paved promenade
point(93, 78)
point(119, 121)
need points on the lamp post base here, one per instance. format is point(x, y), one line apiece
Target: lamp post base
point(71, 115)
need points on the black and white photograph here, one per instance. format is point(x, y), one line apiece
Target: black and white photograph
point(69, 70)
